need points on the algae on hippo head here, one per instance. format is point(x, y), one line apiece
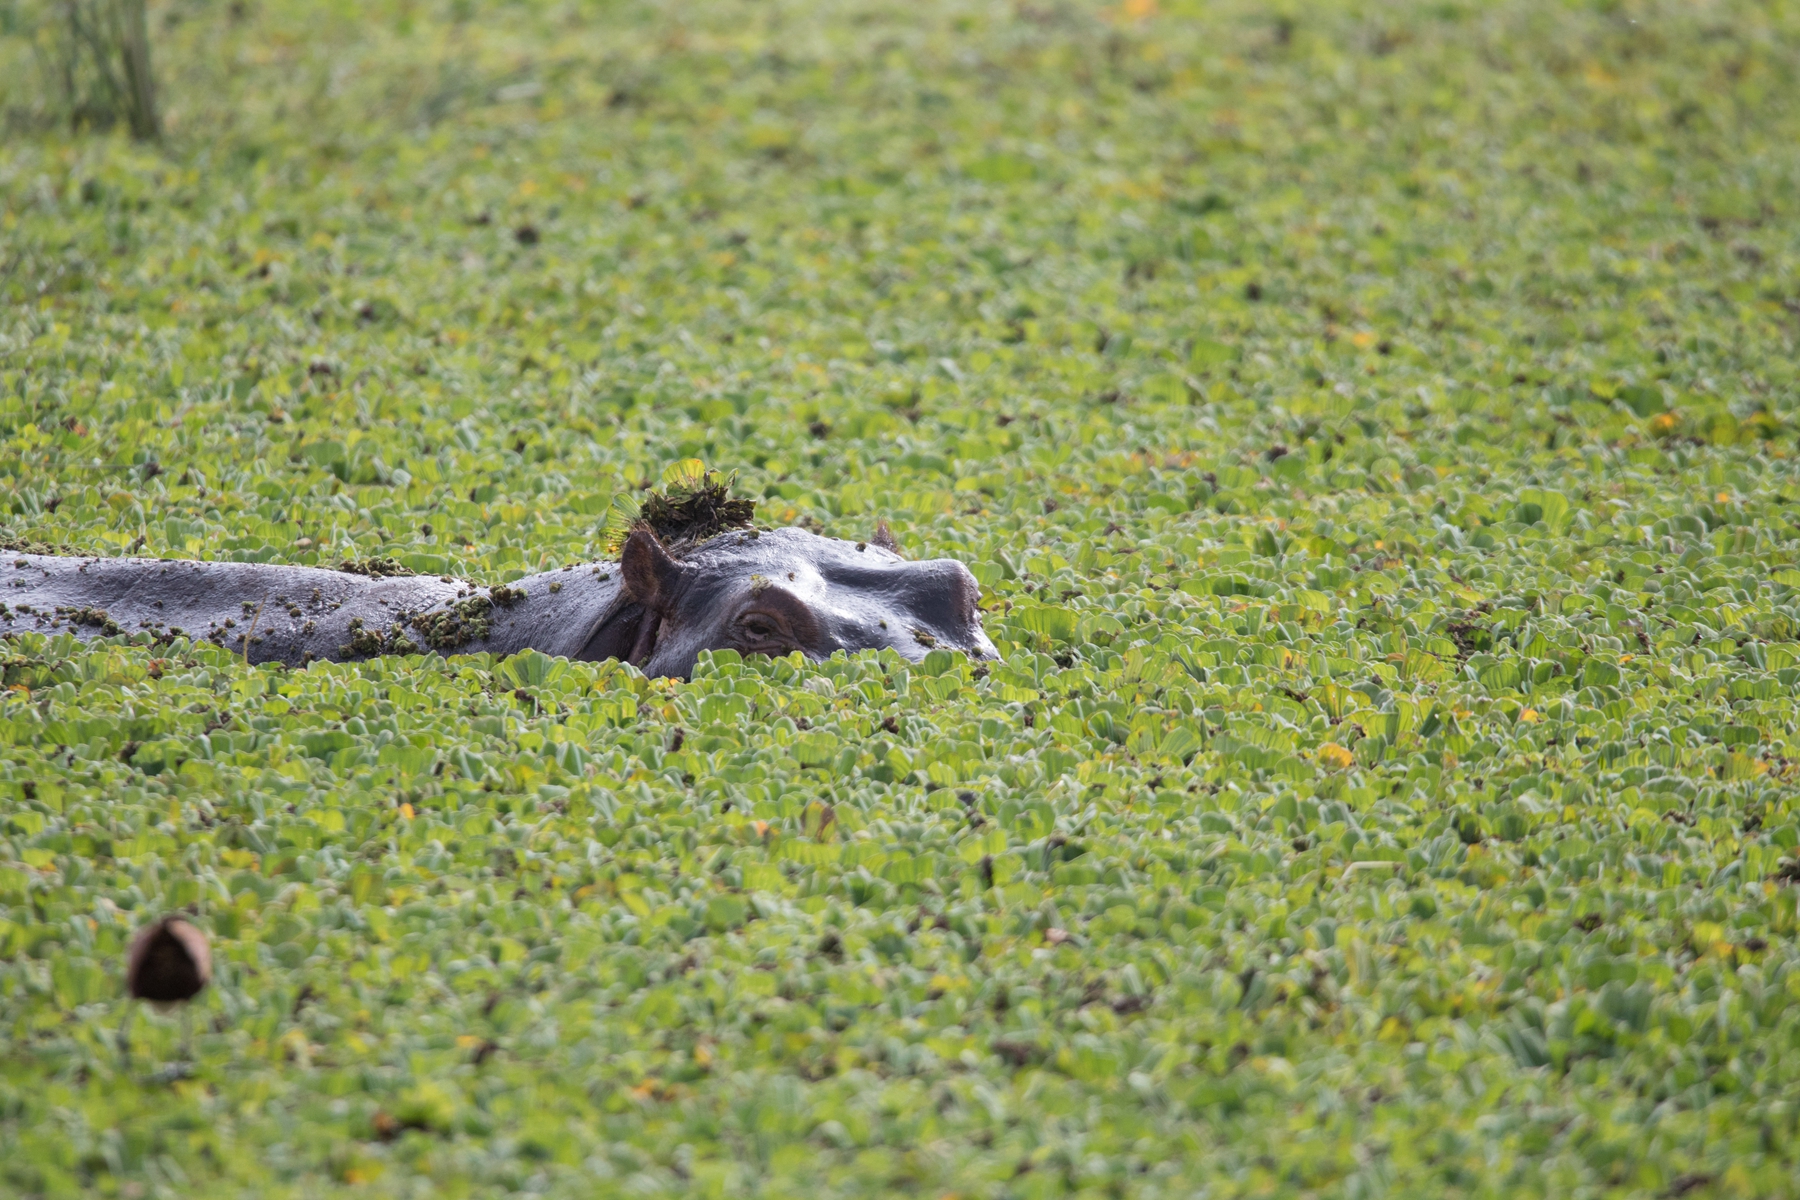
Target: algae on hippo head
point(692, 505)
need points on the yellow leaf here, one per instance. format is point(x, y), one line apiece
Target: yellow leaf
point(686, 473)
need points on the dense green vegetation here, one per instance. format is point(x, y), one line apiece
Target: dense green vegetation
point(1374, 428)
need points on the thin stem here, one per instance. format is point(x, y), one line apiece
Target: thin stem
point(251, 632)
point(140, 80)
point(124, 1036)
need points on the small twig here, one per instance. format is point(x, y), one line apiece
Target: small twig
point(251, 632)
point(125, 1037)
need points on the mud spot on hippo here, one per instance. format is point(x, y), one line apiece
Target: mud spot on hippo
point(463, 622)
point(33, 546)
point(368, 643)
point(375, 568)
point(95, 618)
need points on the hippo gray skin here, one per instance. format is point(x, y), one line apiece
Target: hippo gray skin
point(754, 591)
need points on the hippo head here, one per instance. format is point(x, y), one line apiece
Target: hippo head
point(775, 592)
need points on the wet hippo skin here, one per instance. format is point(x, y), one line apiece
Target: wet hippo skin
point(768, 592)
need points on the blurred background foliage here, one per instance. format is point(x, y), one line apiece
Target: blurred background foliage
point(1373, 426)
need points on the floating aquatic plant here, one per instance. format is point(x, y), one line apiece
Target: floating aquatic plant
point(691, 505)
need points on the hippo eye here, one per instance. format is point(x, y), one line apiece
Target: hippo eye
point(764, 633)
point(774, 621)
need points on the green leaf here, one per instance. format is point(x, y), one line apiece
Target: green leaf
point(683, 475)
point(1057, 624)
point(815, 749)
point(1541, 506)
point(1207, 354)
point(532, 669)
point(1646, 400)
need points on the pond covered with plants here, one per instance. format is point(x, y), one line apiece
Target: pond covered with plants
point(1373, 430)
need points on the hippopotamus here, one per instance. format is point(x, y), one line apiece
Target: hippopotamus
point(755, 591)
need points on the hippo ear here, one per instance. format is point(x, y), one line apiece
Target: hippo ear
point(652, 578)
point(884, 537)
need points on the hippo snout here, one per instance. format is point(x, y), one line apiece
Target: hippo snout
point(949, 601)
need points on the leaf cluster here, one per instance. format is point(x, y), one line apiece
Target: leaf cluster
point(692, 505)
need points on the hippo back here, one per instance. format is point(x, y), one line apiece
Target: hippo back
point(297, 614)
